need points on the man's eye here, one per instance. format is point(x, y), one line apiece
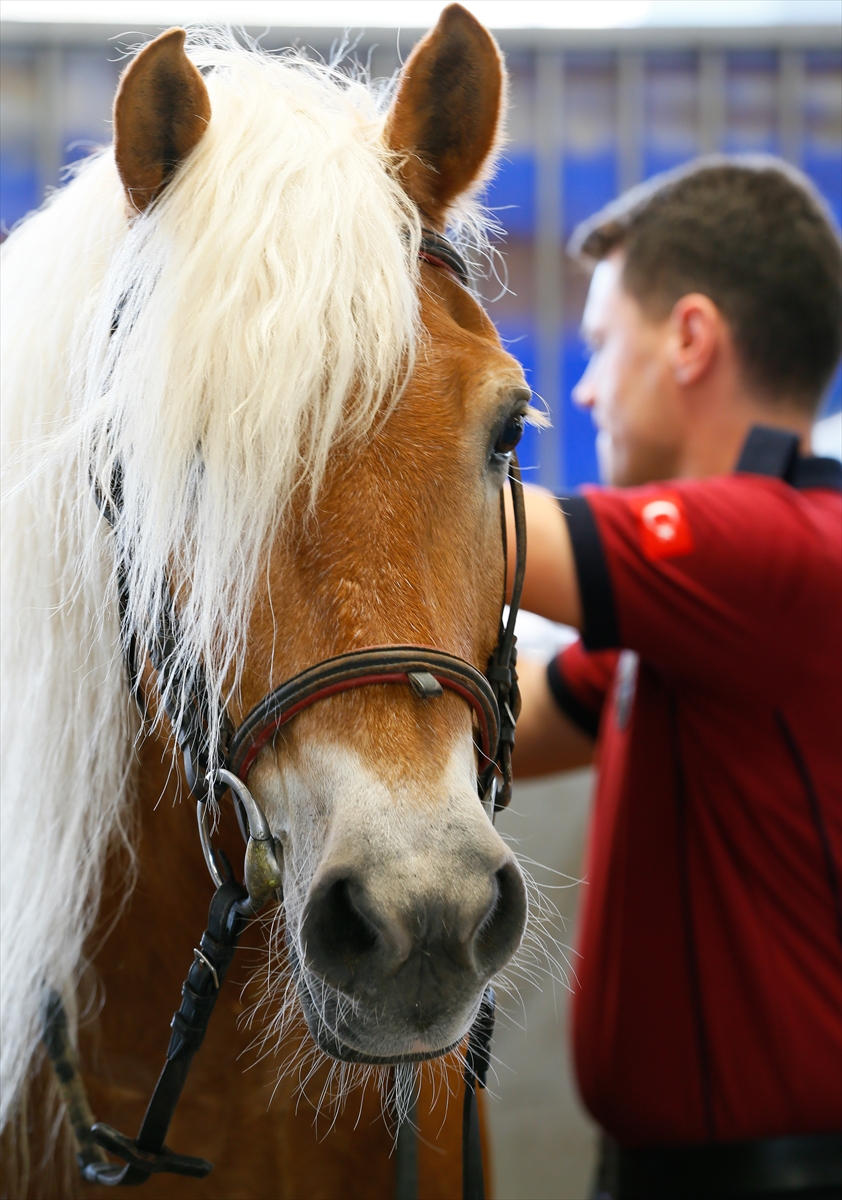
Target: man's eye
point(510, 435)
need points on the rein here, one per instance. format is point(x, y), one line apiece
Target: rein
point(495, 702)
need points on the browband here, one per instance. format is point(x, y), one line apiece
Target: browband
point(439, 252)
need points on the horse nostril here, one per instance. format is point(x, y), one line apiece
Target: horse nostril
point(358, 944)
point(501, 929)
point(335, 935)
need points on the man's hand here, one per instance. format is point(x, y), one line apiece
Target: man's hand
point(550, 587)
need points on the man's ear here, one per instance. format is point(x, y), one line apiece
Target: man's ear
point(161, 111)
point(697, 332)
point(447, 114)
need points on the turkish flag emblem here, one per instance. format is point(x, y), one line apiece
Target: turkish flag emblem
point(664, 528)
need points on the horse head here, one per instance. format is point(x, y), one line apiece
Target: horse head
point(401, 900)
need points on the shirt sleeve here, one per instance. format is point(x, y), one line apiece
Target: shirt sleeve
point(579, 682)
point(701, 577)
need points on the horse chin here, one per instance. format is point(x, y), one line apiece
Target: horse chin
point(325, 1020)
point(330, 1044)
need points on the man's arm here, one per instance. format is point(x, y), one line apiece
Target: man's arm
point(547, 741)
point(550, 586)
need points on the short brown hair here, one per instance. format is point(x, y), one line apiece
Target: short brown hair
point(754, 236)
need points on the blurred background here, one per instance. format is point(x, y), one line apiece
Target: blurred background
point(604, 94)
point(593, 111)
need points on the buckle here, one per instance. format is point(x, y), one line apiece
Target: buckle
point(140, 1164)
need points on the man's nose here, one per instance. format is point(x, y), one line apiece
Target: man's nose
point(583, 392)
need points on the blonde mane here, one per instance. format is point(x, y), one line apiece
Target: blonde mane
point(217, 347)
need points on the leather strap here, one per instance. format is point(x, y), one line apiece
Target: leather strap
point(439, 252)
point(502, 672)
point(186, 698)
point(477, 1062)
point(406, 1157)
point(146, 1154)
point(365, 668)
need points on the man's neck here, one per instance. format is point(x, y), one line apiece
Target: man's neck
point(716, 438)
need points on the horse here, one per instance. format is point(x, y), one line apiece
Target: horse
point(248, 396)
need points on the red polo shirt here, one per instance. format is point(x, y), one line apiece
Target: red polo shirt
point(709, 995)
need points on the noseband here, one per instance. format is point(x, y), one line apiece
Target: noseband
point(212, 769)
point(428, 672)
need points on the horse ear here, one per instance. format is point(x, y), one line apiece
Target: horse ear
point(161, 110)
point(446, 116)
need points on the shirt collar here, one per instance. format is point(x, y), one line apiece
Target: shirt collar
point(771, 451)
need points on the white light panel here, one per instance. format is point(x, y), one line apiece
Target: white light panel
point(419, 14)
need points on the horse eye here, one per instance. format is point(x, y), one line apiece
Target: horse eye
point(510, 435)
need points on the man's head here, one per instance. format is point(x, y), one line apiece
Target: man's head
point(717, 292)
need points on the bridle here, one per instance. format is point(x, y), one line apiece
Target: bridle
point(212, 769)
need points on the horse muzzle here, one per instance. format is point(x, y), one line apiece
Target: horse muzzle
point(386, 982)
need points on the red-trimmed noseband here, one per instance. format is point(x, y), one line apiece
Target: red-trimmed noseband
point(426, 670)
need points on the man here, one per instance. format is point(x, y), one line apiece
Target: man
point(708, 1006)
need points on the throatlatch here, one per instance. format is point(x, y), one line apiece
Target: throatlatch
point(211, 770)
